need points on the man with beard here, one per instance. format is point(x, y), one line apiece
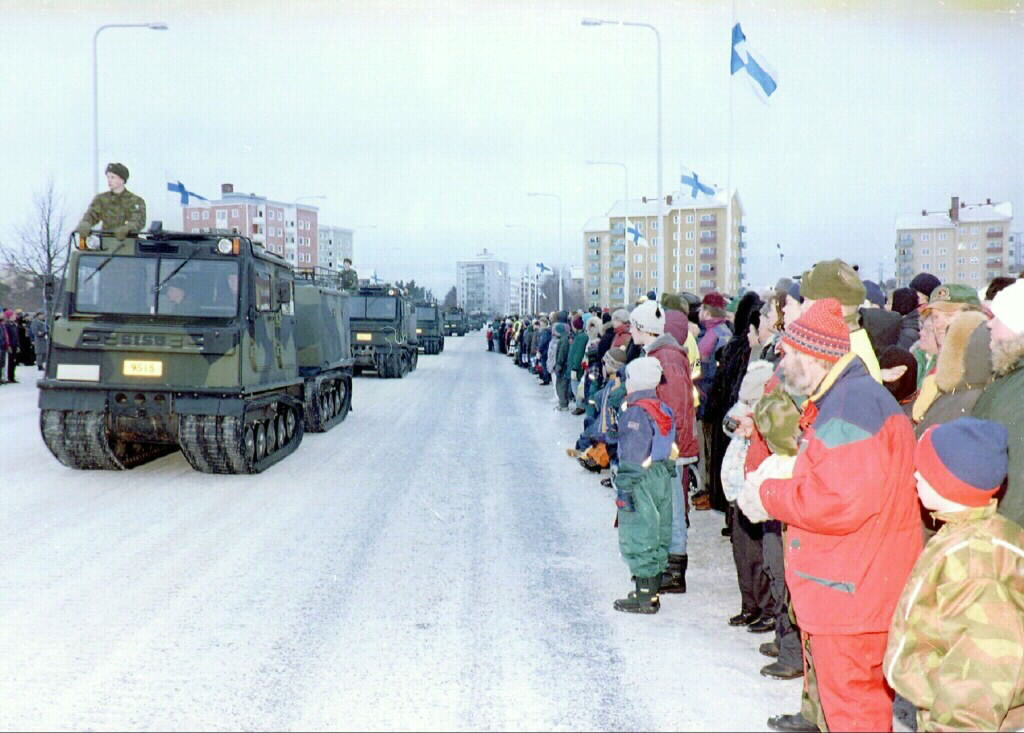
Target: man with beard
point(853, 535)
point(1003, 399)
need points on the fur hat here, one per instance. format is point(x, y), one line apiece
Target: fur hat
point(118, 169)
point(904, 300)
point(649, 318)
point(1008, 307)
point(965, 460)
point(621, 315)
point(833, 279)
point(643, 373)
point(962, 350)
point(820, 332)
point(925, 283)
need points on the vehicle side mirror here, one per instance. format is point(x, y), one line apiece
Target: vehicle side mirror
point(284, 292)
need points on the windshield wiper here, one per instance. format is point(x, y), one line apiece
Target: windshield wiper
point(160, 285)
point(105, 262)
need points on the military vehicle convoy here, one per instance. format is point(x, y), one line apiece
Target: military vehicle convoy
point(455, 322)
point(384, 336)
point(200, 342)
point(429, 330)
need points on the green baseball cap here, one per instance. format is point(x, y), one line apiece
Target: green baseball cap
point(953, 297)
point(833, 279)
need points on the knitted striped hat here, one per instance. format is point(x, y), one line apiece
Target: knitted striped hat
point(820, 332)
point(964, 460)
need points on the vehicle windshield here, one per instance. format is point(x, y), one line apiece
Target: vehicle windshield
point(374, 308)
point(150, 286)
point(424, 314)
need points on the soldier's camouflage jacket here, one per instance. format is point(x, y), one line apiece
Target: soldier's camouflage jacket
point(956, 644)
point(349, 280)
point(115, 210)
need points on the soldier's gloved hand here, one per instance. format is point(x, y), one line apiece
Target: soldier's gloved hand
point(122, 231)
point(624, 500)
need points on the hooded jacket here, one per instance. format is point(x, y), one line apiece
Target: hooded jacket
point(956, 644)
point(963, 369)
point(851, 506)
point(910, 330)
point(676, 389)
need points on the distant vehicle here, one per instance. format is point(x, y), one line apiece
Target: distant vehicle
point(477, 321)
point(205, 343)
point(429, 328)
point(455, 322)
point(384, 338)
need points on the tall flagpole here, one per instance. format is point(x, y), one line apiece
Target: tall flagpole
point(728, 177)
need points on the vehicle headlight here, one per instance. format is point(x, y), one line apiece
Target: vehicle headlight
point(364, 337)
point(419, 330)
point(224, 246)
point(93, 242)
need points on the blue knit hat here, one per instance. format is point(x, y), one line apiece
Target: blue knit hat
point(965, 460)
point(874, 293)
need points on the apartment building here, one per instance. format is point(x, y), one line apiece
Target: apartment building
point(702, 252)
point(289, 230)
point(1015, 253)
point(335, 244)
point(522, 292)
point(969, 243)
point(482, 284)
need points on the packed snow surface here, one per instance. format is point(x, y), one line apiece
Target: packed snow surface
point(433, 562)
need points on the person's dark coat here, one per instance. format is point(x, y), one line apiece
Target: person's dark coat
point(733, 359)
point(883, 327)
point(607, 337)
point(910, 330)
point(963, 369)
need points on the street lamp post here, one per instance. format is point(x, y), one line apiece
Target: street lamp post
point(661, 198)
point(157, 26)
point(625, 227)
point(560, 253)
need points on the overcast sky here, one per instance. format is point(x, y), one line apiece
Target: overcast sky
point(432, 120)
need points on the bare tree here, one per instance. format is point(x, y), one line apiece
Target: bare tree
point(41, 252)
point(451, 299)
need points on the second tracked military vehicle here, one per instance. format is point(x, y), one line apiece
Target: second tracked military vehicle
point(384, 336)
point(429, 329)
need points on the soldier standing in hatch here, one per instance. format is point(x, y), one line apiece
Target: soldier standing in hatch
point(120, 210)
point(349, 277)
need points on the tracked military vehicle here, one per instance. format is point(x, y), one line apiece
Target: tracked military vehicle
point(455, 322)
point(384, 335)
point(194, 341)
point(429, 330)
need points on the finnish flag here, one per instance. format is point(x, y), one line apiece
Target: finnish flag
point(633, 233)
point(543, 268)
point(764, 78)
point(690, 180)
point(184, 194)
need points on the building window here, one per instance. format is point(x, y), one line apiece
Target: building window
point(654, 258)
point(689, 236)
point(637, 275)
point(974, 260)
point(675, 219)
point(675, 268)
point(961, 260)
point(654, 225)
point(690, 252)
point(638, 258)
point(689, 220)
point(942, 267)
point(675, 236)
point(675, 252)
point(689, 283)
point(206, 214)
point(941, 251)
point(234, 213)
point(942, 236)
point(974, 245)
point(925, 236)
point(926, 251)
point(689, 268)
point(638, 291)
point(654, 273)
point(974, 276)
point(925, 267)
point(194, 215)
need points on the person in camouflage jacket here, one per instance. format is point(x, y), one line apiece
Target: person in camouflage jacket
point(120, 210)
point(956, 644)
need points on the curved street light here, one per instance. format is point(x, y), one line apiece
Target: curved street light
point(155, 26)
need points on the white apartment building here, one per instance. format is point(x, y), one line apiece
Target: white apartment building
point(482, 284)
point(335, 246)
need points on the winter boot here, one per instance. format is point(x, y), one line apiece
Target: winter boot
point(795, 722)
point(644, 599)
point(673, 580)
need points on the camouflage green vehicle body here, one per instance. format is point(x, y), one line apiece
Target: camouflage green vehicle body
point(384, 338)
point(429, 329)
point(169, 340)
point(455, 322)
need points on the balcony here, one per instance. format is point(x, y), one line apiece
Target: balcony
point(994, 262)
point(709, 237)
point(712, 222)
point(618, 277)
point(743, 244)
point(619, 228)
point(907, 271)
point(743, 260)
point(619, 246)
point(619, 262)
point(594, 257)
point(1013, 268)
point(708, 257)
point(594, 268)
point(906, 257)
point(905, 239)
point(594, 240)
point(994, 249)
point(994, 234)
point(743, 228)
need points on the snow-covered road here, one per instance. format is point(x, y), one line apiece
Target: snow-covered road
point(434, 562)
